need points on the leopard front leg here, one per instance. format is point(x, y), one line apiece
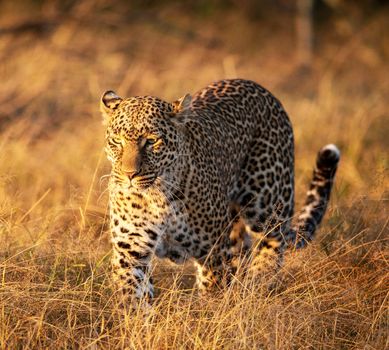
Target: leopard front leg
point(133, 249)
point(131, 271)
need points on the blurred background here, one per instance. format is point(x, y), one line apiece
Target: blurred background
point(326, 60)
point(57, 57)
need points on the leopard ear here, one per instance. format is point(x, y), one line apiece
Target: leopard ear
point(109, 102)
point(182, 103)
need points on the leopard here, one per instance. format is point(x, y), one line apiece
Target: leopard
point(207, 178)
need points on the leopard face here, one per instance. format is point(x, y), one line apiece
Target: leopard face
point(143, 140)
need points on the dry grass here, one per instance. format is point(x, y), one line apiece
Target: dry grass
point(55, 290)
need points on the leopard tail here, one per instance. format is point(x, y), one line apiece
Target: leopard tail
point(318, 196)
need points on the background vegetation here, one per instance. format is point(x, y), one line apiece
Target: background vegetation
point(56, 59)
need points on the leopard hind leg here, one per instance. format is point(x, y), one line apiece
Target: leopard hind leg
point(265, 195)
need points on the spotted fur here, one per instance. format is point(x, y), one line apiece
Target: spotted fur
point(184, 173)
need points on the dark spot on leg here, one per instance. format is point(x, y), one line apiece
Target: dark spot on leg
point(138, 255)
point(179, 238)
point(123, 245)
point(247, 198)
point(136, 206)
point(124, 264)
point(153, 235)
point(186, 244)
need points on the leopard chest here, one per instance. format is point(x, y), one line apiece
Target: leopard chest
point(133, 213)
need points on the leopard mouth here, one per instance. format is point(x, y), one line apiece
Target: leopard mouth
point(143, 181)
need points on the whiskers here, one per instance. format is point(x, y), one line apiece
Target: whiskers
point(102, 194)
point(172, 186)
point(169, 192)
point(117, 184)
point(144, 181)
point(102, 178)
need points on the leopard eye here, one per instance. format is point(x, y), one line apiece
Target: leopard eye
point(151, 141)
point(116, 141)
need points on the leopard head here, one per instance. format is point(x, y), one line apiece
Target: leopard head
point(144, 138)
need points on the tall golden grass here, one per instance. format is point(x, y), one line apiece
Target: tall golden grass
point(55, 289)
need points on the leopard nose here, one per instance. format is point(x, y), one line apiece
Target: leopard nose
point(132, 174)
